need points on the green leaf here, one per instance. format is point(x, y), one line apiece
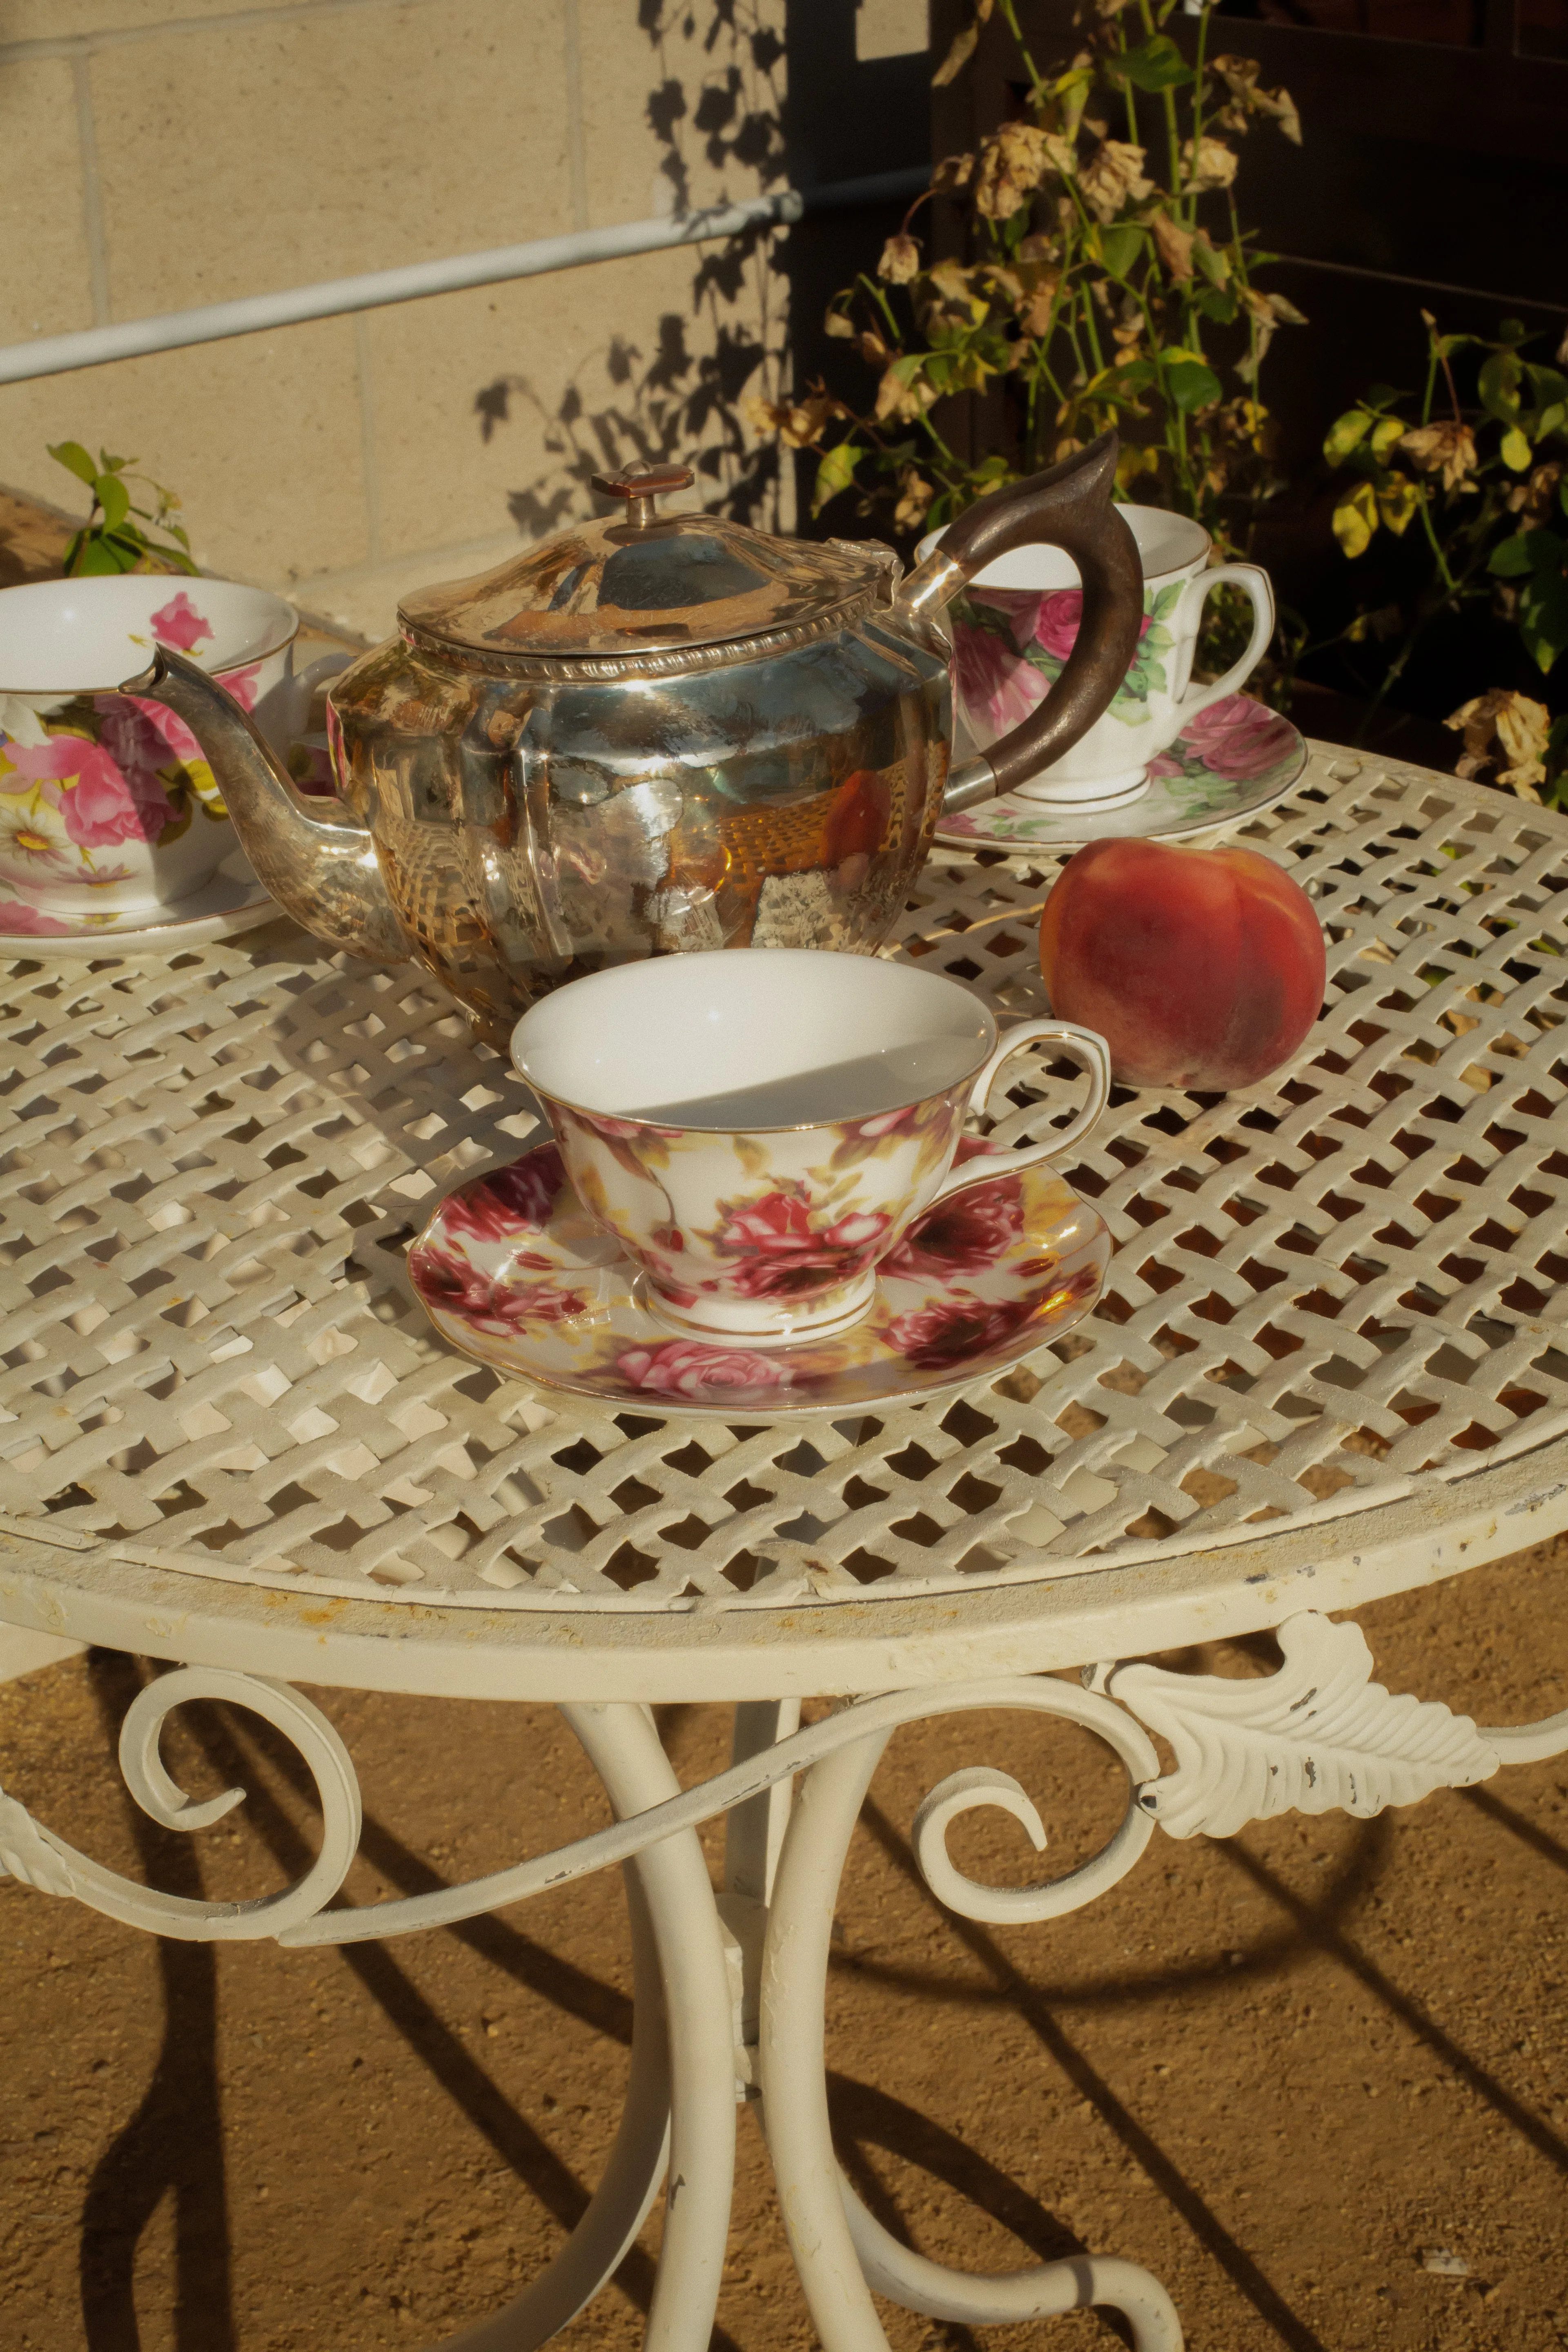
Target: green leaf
point(836, 473)
point(1385, 434)
point(1212, 303)
point(1212, 260)
point(1498, 384)
point(114, 499)
point(1189, 385)
point(1515, 450)
point(1345, 434)
point(1355, 519)
point(1547, 384)
point(74, 457)
point(1158, 65)
point(1515, 556)
point(1543, 618)
point(1120, 248)
point(99, 556)
point(1513, 330)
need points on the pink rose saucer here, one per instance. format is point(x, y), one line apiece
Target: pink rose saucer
point(1236, 756)
point(512, 1269)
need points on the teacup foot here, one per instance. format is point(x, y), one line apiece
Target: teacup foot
point(1107, 793)
point(729, 1323)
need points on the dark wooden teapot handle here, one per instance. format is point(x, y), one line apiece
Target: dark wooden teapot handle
point(1068, 506)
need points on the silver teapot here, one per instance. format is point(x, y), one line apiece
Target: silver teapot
point(658, 732)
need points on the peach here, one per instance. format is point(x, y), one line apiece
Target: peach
point(1200, 968)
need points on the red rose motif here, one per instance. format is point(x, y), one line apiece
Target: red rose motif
point(936, 1336)
point(142, 738)
point(180, 625)
point(1238, 738)
point(692, 1367)
point(456, 1287)
point(1021, 606)
point(783, 1257)
point(521, 1196)
point(963, 1235)
point(997, 687)
point(1056, 622)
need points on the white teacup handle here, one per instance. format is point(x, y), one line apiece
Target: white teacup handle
point(1258, 586)
point(1093, 1057)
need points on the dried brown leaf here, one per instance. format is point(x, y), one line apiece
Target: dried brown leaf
point(1212, 165)
point(900, 260)
point(915, 495)
point(957, 57)
point(1501, 727)
point(1447, 446)
point(1014, 161)
point(1174, 243)
point(1113, 177)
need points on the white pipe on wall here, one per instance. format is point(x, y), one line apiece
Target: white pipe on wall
point(96, 346)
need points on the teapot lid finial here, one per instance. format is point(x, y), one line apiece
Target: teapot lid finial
point(640, 486)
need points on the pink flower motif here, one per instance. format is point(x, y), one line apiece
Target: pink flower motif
point(146, 742)
point(887, 1122)
point(16, 917)
point(690, 1368)
point(180, 625)
point(497, 1305)
point(94, 800)
point(241, 684)
point(936, 1336)
point(1238, 738)
point(963, 1235)
point(997, 686)
point(1056, 622)
point(1163, 764)
point(508, 1200)
point(783, 1257)
point(1021, 605)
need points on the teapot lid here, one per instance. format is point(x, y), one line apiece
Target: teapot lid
point(640, 583)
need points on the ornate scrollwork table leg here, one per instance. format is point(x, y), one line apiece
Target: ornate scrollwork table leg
point(840, 2250)
point(1317, 1735)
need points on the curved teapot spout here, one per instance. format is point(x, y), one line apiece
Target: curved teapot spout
point(322, 870)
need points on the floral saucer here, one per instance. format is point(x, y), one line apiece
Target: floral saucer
point(512, 1269)
point(232, 900)
point(1233, 758)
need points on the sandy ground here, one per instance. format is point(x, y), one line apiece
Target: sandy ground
point(1274, 2070)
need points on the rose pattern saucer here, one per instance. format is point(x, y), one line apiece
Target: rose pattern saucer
point(1234, 757)
point(512, 1269)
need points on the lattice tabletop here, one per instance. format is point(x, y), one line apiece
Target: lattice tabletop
point(1343, 1282)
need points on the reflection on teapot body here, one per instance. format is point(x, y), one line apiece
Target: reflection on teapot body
point(658, 733)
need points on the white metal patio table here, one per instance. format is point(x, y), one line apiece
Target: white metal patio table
point(1330, 1363)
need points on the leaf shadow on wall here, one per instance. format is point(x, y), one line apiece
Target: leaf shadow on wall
point(681, 398)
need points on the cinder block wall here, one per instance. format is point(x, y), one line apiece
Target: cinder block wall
point(167, 153)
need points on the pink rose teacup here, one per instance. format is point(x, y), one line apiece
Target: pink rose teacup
point(759, 1130)
point(1016, 623)
point(108, 805)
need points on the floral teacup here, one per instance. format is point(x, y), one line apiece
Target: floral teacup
point(107, 803)
point(1016, 623)
point(758, 1131)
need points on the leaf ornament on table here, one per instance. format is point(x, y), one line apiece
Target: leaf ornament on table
point(1319, 1735)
